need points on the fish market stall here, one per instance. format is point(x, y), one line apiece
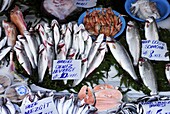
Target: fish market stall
point(84, 57)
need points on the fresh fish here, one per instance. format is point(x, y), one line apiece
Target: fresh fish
point(9, 4)
point(81, 27)
point(75, 45)
point(164, 23)
point(67, 105)
point(36, 36)
point(3, 42)
point(80, 43)
point(63, 29)
point(148, 75)
point(60, 104)
point(10, 106)
point(89, 109)
point(67, 39)
point(88, 45)
point(33, 46)
point(22, 57)
point(122, 57)
point(62, 50)
point(56, 34)
point(42, 33)
point(83, 70)
point(42, 62)
point(75, 28)
point(48, 30)
point(17, 18)
point(4, 5)
point(151, 30)
point(97, 59)
point(23, 40)
point(133, 40)
point(10, 32)
point(71, 53)
point(167, 72)
point(50, 53)
point(70, 26)
point(94, 48)
point(4, 51)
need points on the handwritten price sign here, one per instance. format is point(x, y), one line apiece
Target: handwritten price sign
point(85, 3)
point(66, 69)
point(157, 107)
point(155, 50)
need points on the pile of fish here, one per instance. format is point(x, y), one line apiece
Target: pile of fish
point(5, 4)
point(102, 21)
point(145, 9)
point(37, 47)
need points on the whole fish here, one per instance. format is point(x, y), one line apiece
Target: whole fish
point(42, 62)
point(80, 43)
point(56, 34)
point(134, 41)
point(67, 105)
point(22, 57)
point(48, 30)
point(50, 53)
point(122, 57)
point(97, 59)
point(148, 75)
point(94, 48)
point(151, 30)
point(42, 33)
point(83, 70)
point(3, 42)
point(4, 51)
point(10, 106)
point(32, 45)
point(67, 39)
point(70, 26)
point(71, 53)
point(61, 55)
point(35, 36)
point(17, 18)
point(88, 45)
point(23, 40)
point(167, 71)
point(75, 45)
point(60, 104)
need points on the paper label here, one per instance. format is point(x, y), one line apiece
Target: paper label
point(21, 90)
point(85, 3)
point(157, 107)
point(44, 106)
point(66, 69)
point(155, 50)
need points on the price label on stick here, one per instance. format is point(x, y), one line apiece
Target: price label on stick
point(44, 106)
point(155, 50)
point(85, 3)
point(21, 90)
point(157, 107)
point(66, 69)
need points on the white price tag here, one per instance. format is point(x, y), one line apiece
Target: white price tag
point(21, 90)
point(44, 106)
point(155, 50)
point(85, 3)
point(157, 107)
point(66, 69)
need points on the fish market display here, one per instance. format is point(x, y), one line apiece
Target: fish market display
point(133, 40)
point(151, 30)
point(145, 9)
point(5, 81)
point(148, 75)
point(102, 22)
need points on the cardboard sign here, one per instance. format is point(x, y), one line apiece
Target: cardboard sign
point(155, 50)
point(21, 90)
point(85, 3)
point(157, 107)
point(44, 106)
point(66, 69)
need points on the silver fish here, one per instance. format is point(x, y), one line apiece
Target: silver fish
point(167, 71)
point(4, 51)
point(63, 30)
point(67, 105)
point(22, 57)
point(35, 36)
point(10, 106)
point(48, 30)
point(32, 45)
point(148, 75)
point(42, 62)
point(22, 39)
point(71, 53)
point(50, 53)
point(133, 40)
point(75, 28)
point(4, 5)
point(60, 104)
point(151, 30)
point(56, 34)
point(97, 59)
point(89, 109)
point(62, 50)
point(75, 45)
point(83, 70)
point(122, 57)
point(94, 48)
point(67, 39)
point(42, 33)
point(70, 26)
point(88, 45)
point(80, 43)
point(3, 42)
point(81, 27)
